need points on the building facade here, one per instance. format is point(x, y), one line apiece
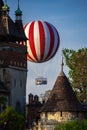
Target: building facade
point(13, 57)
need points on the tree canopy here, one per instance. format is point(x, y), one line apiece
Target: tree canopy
point(3, 102)
point(77, 63)
point(11, 120)
point(72, 125)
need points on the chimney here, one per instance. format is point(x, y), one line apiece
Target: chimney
point(30, 98)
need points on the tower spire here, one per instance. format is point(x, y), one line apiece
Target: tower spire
point(18, 13)
point(61, 72)
point(62, 64)
point(5, 1)
point(5, 7)
point(18, 4)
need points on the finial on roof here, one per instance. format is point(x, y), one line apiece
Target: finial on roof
point(5, 7)
point(62, 64)
point(18, 13)
point(5, 1)
point(61, 72)
point(18, 3)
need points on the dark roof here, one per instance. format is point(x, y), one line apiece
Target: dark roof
point(62, 97)
point(3, 87)
point(9, 30)
point(20, 29)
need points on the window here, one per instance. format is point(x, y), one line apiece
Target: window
point(61, 113)
point(14, 82)
point(20, 83)
point(18, 106)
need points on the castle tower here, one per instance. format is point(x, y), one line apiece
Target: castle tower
point(62, 104)
point(13, 57)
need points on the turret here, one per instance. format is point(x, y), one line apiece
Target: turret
point(18, 23)
point(5, 10)
point(4, 14)
point(18, 13)
point(62, 96)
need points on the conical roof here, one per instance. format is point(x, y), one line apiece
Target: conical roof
point(62, 97)
point(18, 12)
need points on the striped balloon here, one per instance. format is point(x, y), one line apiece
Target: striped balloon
point(43, 41)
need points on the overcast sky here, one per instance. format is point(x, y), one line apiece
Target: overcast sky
point(70, 19)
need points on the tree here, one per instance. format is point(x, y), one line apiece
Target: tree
point(3, 102)
point(11, 120)
point(77, 63)
point(72, 125)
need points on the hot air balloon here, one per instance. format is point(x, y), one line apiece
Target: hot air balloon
point(43, 41)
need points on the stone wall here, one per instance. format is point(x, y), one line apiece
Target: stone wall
point(49, 120)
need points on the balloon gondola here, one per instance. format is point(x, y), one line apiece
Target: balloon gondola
point(43, 41)
point(41, 81)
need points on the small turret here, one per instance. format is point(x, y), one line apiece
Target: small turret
point(5, 9)
point(18, 23)
point(18, 13)
point(5, 13)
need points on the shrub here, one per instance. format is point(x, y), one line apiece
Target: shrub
point(11, 120)
point(72, 125)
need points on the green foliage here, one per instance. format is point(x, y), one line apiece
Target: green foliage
point(77, 63)
point(12, 120)
point(72, 125)
point(3, 101)
point(60, 127)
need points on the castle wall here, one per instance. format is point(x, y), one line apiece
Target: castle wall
point(49, 120)
point(18, 90)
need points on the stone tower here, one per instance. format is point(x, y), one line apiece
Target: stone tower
point(13, 56)
point(62, 105)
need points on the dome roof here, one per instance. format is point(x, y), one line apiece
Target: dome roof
point(18, 12)
point(5, 7)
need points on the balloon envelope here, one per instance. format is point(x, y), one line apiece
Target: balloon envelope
point(43, 41)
